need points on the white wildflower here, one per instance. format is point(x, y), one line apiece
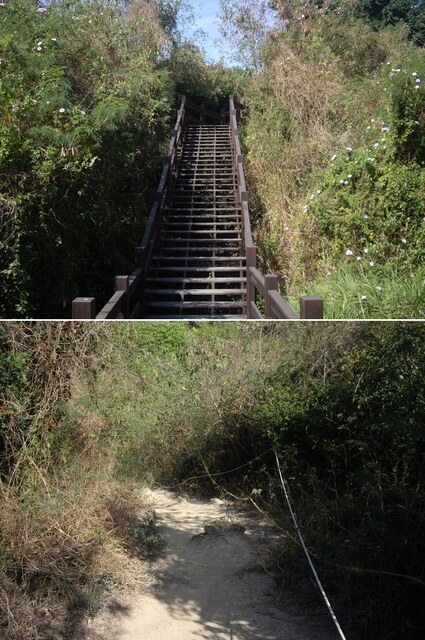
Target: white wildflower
point(359, 258)
point(379, 288)
point(366, 251)
point(365, 216)
point(62, 110)
point(349, 252)
point(372, 264)
point(349, 149)
point(363, 298)
point(404, 241)
point(38, 48)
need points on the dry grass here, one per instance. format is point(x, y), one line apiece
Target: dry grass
point(58, 537)
point(58, 546)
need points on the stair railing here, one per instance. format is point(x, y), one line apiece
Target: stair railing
point(242, 193)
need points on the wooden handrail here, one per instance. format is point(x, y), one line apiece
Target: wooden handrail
point(248, 244)
point(275, 306)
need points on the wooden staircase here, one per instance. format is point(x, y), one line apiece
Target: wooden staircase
point(197, 259)
point(198, 266)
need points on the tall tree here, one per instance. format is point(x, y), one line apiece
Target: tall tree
point(245, 25)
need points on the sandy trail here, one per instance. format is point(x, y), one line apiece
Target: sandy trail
point(205, 587)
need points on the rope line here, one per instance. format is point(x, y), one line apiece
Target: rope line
point(212, 475)
point(319, 584)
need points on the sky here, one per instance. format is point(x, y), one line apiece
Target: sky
point(206, 16)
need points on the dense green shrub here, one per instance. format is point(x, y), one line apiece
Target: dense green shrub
point(84, 118)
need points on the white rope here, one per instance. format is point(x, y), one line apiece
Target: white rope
point(319, 584)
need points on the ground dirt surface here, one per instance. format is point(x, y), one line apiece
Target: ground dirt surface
point(207, 584)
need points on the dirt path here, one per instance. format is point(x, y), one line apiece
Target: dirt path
point(206, 586)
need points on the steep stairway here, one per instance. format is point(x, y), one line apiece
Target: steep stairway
point(198, 266)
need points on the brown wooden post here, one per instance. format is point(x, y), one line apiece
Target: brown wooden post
point(122, 284)
point(84, 308)
point(311, 308)
point(251, 256)
point(250, 292)
point(223, 115)
point(271, 283)
point(139, 256)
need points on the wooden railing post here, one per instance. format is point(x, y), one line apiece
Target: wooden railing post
point(139, 256)
point(250, 292)
point(271, 284)
point(83, 308)
point(122, 283)
point(251, 256)
point(311, 308)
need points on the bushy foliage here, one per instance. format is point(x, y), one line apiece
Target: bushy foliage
point(201, 82)
point(347, 419)
point(335, 139)
point(84, 115)
point(381, 13)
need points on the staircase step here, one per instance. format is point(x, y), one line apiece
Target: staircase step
point(195, 305)
point(196, 317)
point(183, 281)
point(197, 269)
point(209, 259)
point(204, 227)
point(208, 293)
point(212, 239)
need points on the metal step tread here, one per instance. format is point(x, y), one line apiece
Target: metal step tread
point(224, 316)
point(195, 292)
point(209, 259)
point(206, 280)
point(195, 305)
